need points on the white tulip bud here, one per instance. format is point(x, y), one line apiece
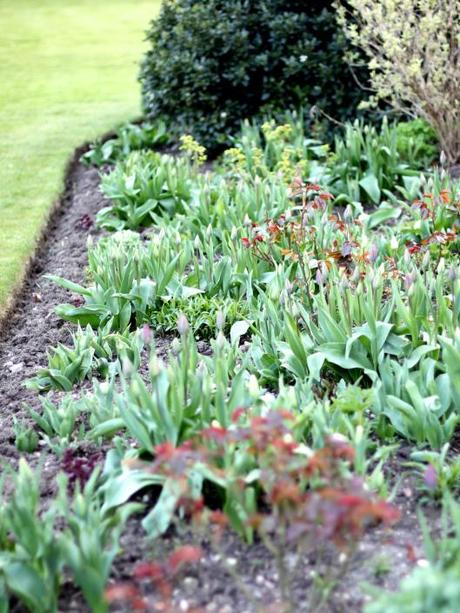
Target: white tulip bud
point(182, 325)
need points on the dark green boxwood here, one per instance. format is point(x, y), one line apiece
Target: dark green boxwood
point(212, 63)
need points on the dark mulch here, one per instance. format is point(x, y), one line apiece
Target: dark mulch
point(33, 327)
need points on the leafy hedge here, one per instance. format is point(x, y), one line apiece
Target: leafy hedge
point(213, 63)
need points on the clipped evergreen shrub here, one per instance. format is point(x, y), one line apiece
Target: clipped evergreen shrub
point(212, 63)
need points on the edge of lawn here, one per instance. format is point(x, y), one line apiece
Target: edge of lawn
point(48, 114)
point(55, 208)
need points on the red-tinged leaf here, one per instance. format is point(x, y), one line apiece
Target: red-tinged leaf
point(410, 553)
point(139, 604)
point(286, 494)
point(255, 521)
point(218, 518)
point(214, 433)
point(445, 196)
point(237, 413)
point(148, 570)
point(414, 248)
point(164, 451)
point(351, 500)
point(184, 555)
point(120, 592)
point(386, 513)
point(191, 507)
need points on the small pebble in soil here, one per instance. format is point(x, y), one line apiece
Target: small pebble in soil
point(423, 563)
point(190, 585)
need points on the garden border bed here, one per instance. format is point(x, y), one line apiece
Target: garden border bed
point(33, 327)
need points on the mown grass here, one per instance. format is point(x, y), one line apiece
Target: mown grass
point(68, 72)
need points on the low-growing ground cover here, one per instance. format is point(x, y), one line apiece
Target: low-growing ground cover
point(256, 383)
point(68, 72)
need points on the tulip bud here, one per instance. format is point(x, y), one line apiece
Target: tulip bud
point(344, 284)
point(253, 386)
point(376, 282)
point(176, 346)
point(409, 280)
point(336, 438)
point(373, 253)
point(430, 477)
point(319, 277)
point(355, 277)
point(104, 387)
point(156, 366)
point(220, 320)
point(452, 274)
point(426, 260)
point(220, 341)
point(182, 325)
point(147, 334)
point(127, 367)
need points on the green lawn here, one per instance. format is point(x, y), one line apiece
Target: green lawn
point(68, 71)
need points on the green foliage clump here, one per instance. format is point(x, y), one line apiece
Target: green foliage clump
point(201, 312)
point(367, 166)
point(90, 352)
point(129, 137)
point(280, 53)
point(35, 555)
point(143, 185)
point(417, 142)
point(435, 586)
point(426, 589)
point(367, 163)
